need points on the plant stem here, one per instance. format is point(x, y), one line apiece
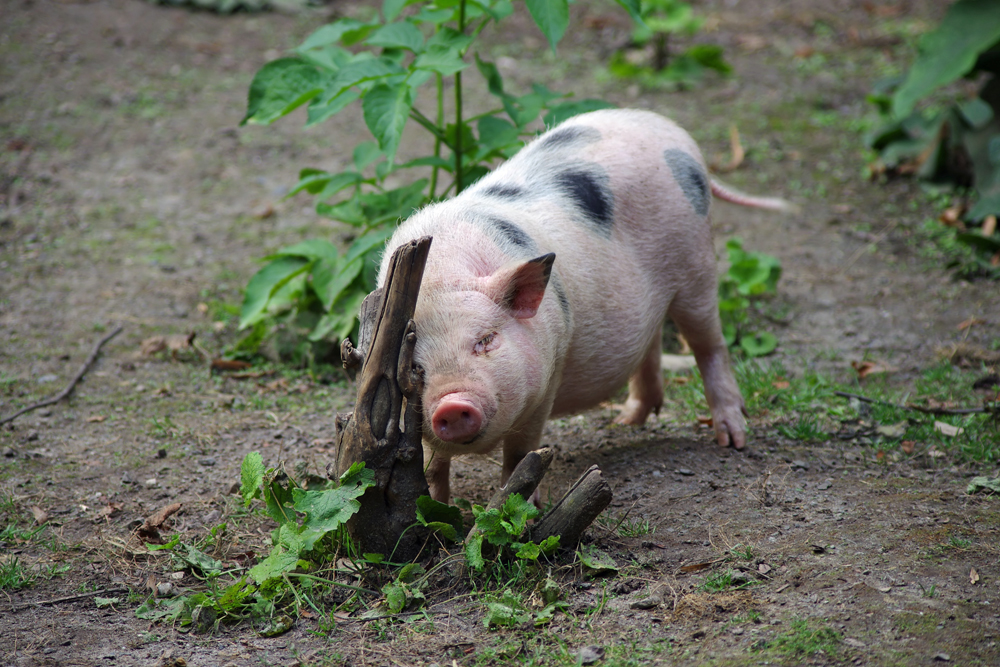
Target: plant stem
point(458, 108)
point(437, 139)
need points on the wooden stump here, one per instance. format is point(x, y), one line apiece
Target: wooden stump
point(384, 431)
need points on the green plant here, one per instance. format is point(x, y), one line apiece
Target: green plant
point(802, 640)
point(503, 528)
point(948, 140)
point(382, 63)
point(724, 581)
point(806, 428)
point(661, 20)
point(14, 575)
point(750, 275)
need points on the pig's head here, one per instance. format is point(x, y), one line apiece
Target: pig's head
point(477, 342)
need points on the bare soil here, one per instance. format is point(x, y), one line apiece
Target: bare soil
point(132, 197)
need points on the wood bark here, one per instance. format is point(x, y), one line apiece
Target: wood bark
point(575, 511)
point(384, 431)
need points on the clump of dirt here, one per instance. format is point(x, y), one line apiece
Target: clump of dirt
point(131, 197)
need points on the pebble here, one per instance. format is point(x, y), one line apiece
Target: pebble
point(207, 461)
point(45, 379)
point(127, 479)
point(685, 472)
point(800, 465)
point(151, 482)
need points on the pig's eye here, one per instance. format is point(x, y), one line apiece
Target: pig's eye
point(486, 344)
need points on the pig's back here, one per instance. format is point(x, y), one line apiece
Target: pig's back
point(621, 197)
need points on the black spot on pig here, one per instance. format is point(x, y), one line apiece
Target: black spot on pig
point(504, 191)
point(560, 291)
point(511, 233)
point(690, 175)
point(591, 192)
point(578, 135)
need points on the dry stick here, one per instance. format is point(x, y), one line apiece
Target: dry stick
point(72, 383)
point(69, 598)
point(928, 411)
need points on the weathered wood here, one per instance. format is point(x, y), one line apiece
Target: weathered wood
point(355, 357)
point(575, 511)
point(385, 428)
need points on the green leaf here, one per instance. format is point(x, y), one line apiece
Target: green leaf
point(496, 134)
point(402, 35)
point(279, 87)
point(449, 38)
point(365, 154)
point(474, 552)
point(444, 61)
point(386, 109)
point(949, 52)
point(310, 249)
point(990, 485)
point(251, 477)
point(595, 561)
point(266, 282)
point(634, 9)
point(333, 32)
point(199, 560)
point(984, 243)
point(275, 565)
point(440, 517)
point(529, 551)
point(759, 344)
point(327, 510)
point(549, 545)
point(392, 8)
point(567, 110)
point(320, 109)
point(551, 17)
point(332, 278)
point(340, 182)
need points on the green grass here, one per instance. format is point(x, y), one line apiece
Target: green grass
point(803, 639)
point(14, 575)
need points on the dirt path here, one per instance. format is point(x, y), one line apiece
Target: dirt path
point(132, 197)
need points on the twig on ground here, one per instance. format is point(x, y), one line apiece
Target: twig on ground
point(72, 383)
point(69, 598)
point(917, 408)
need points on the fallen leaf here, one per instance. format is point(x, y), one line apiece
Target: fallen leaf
point(41, 516)
point(202, 308)
point(892, 430)
point(95, 418)
point(970, 322)
point(264, 211)
point(781, 384)
point(880, 455)
point(948, 429)
point(750, 42)
point(973, 576)
point(697, 567)
point(230, 365)
point(705, 421)
point(990, 485)
point(763, 568)
point(149, 531)
point(908, 446)
point(952, 217)
point(804, 51)
point(866, 368)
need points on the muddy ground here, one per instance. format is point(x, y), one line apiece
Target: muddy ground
point(132, 197)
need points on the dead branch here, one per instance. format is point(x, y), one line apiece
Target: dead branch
point(72, 383)
point(576, 510)
point(995, 409)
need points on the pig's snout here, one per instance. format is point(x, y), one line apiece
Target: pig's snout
point(457, 419)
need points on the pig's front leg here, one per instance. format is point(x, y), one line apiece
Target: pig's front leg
point(645, 387)
point(438, 474)
point(696, 314)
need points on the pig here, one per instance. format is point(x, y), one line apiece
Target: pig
point(548, 281)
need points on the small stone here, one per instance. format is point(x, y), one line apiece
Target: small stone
point(9, 453)
point(151, 482)
point(161, 453)
point(50, 377)
point(685, 472)
point(942, 657)
point(164, 589)
point(588, 655)
point(737, 630)
point(127, 479)
point(32, 436)
point(651, 602)
point(207, 461)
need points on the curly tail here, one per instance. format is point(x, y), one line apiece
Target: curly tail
point(732, 196)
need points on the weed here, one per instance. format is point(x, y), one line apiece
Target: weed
point(724, 581)
point(743, 552)
point(14, 575)
point(801, 640)
point(806, 429)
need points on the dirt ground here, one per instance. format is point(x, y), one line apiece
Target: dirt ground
point(132, 197)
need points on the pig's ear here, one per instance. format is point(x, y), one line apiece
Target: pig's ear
point(520, 287)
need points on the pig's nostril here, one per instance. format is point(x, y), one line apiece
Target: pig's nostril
point(456, 420)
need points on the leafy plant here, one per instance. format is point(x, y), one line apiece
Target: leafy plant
point(503, 528)
point(382, 64)
point(802, 640)
point(662, 19)
point(750, 276)
point(956, 142)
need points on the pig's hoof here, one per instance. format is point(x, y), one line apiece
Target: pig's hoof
point(634, 412)
point(728, 436)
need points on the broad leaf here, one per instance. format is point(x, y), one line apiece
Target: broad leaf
point(557, 114)
point(333, 32)
point(279, 87)
point(310, 249)
point(332, 278)
point(266, 282)
point(949, 52)
point(402, 35)
point(386, 109)
point(444, 61)
point(551, 17)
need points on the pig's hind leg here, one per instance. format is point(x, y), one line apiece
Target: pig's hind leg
point(645, 387)
point(695, 311)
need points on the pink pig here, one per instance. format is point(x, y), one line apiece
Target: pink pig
point(548, 280)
